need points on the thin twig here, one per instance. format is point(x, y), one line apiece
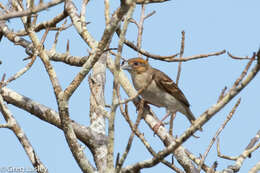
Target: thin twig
point(130, 140)
point(178, 76)
point(224, 156)
point(145, 142)
point(29, 65)
point(196, 160)
point(222, 94)
point(230, 115)
point(144, 52)
point(241, 158)
point(2, 81)
point(253, 141)
point(244, 72)
point(249, 146)
point(140, 26)
point(238, 58)
point(181, 55)
point(111, 129)
point(47, 24)
point(22, 71)
point(149, 15)
point(194, 57)
point(57, 35)
point(170, 58)
point(36, 9)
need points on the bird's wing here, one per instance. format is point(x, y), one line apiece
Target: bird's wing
point(165, 83)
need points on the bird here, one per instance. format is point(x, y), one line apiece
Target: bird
point(158, 89)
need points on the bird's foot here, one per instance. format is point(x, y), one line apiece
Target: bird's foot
point(200, 129)
point(141, 105)
point(157, 126)
point(195, 136)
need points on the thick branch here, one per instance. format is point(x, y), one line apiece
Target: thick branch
point(85, 134)
point(255, 169)
point(15, 127)
point(97, 82)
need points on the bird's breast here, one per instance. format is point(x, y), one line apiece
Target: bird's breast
point(156, 96)
point(153, 94)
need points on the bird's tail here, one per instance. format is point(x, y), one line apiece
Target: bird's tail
point(191, 117)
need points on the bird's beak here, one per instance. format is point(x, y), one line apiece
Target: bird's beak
point(125, 66)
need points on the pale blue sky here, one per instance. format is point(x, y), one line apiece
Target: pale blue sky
point(209, 25)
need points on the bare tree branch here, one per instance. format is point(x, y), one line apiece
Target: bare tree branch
point(97, 81)
point(240, 160)
point(99, 136)
point(98, 48)
point(114, 106)
point(107, 11)
point(255, 169)
point(47, 24)
point(170, 58)
point(205, 167)
point(34, 10)
point(253, 141)
point(238, 58)
point(13, 125)
point(230, 115)
point(178, 76)
point(144, 141)
point(85, 134)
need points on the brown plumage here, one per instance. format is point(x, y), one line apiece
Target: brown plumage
point(161, 91)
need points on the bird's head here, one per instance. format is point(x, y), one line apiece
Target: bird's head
point(135, 65)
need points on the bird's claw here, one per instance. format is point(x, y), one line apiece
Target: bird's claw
point(142, 104)
point(157, 126)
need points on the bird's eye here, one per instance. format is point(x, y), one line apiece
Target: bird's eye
point(123, 62)
point(136, 63)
